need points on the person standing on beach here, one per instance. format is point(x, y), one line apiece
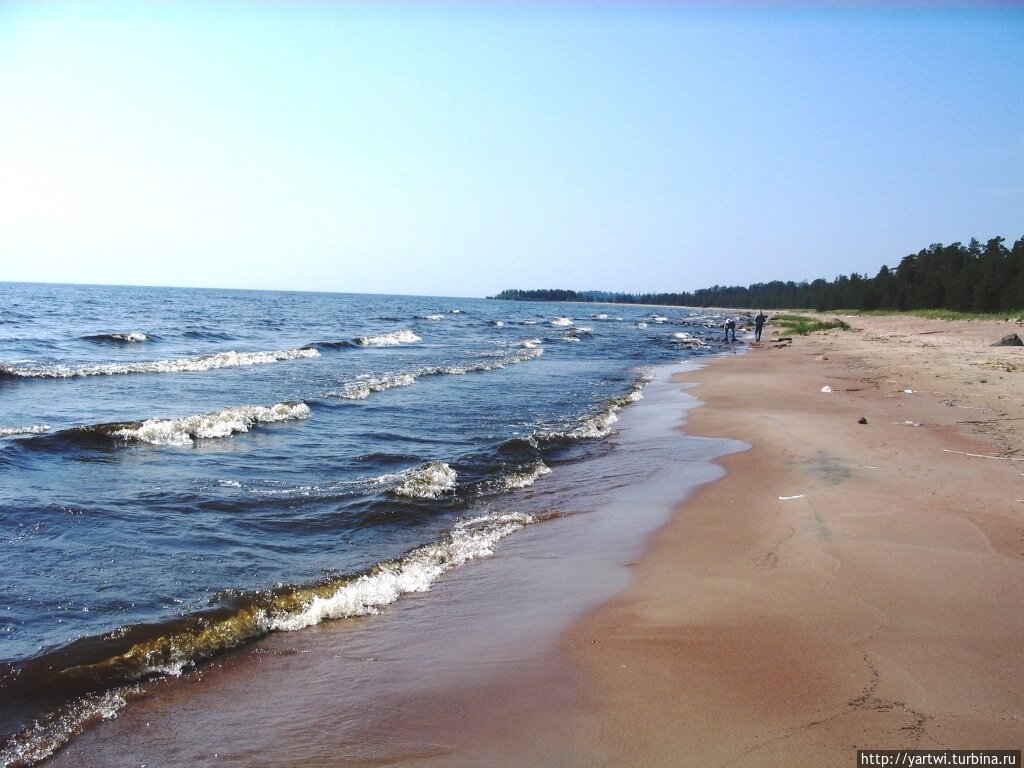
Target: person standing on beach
point(730, 326)
point(759, 320)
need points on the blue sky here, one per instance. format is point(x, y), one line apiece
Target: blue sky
point(460, 148)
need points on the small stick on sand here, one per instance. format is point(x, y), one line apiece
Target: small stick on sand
point(983, 456)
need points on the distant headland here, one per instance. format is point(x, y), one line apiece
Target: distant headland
point(962, 278)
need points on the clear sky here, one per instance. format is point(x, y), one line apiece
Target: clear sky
point(459, 148)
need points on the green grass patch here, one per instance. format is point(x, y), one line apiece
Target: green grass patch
point(801, 325)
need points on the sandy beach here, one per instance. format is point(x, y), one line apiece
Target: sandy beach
point(855, 581)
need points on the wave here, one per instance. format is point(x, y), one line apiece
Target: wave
point(687, 340)
point(513, 481)
point(117, 338)
point(216, 424)
point(431, 318)
point(388, 339)
point(35, 429)
point(428, 481)
point(206, 333)
point(599, 424)
point(184, 431)
point(95, 676)
point(180, 365)
point(365, 385)
point(561, 321)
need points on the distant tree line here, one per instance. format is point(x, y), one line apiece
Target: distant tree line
point(965, 278)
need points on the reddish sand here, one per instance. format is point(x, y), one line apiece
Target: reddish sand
point(847, 585)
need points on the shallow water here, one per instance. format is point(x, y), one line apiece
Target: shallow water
point(187, 470)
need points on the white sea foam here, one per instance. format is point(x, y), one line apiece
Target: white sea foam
point(48, 734)
point(688, 340)
point(530, 343)
point(404, 336)
point(132, 336)
point(215, 424)
point(641, 324)
point(427, 481)
point(361, 389)
point(180, 365)
point(35, 429)
point(416, 572)
point(600, 424)
point(561, 321)
point(367, 384)
point(516, 480)
point(432, 318)
point(600, 316)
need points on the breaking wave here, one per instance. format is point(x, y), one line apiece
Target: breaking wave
point(117, 338)
point(388, 339)
point(428, 481)
point(183, 432)
point(95, 676)
point(181, 365)
point(36, 429)
point(216, 424)
point(365, 385)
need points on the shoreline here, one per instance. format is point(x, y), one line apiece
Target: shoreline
point(469, 670)
point(846, 586)
point(843, 586)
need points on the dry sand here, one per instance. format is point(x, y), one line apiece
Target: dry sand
point(846, 585)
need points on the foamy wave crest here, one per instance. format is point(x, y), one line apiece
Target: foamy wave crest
point(561, 321)
point(600, 424)
point(530, 343)
point(130, 653)
point(35, 429)
point(366, 385)
point(181, 365)
point(432, 318)
point(131, 337)
point(50, 733)
point(361, 389)
point(388, 339)
point(516, 480)
point(427, 481)
point(216, 424)
point(470, 539)
point(687, 340)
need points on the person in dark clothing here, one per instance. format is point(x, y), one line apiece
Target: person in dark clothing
point(730, 327)
point(759, 320)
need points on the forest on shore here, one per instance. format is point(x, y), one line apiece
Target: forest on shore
point(980, 278)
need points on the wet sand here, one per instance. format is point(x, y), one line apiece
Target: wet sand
point(843, 586)
point(847, 585)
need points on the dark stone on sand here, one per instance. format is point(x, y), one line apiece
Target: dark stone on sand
point(862, 420)
point(1012, 340)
